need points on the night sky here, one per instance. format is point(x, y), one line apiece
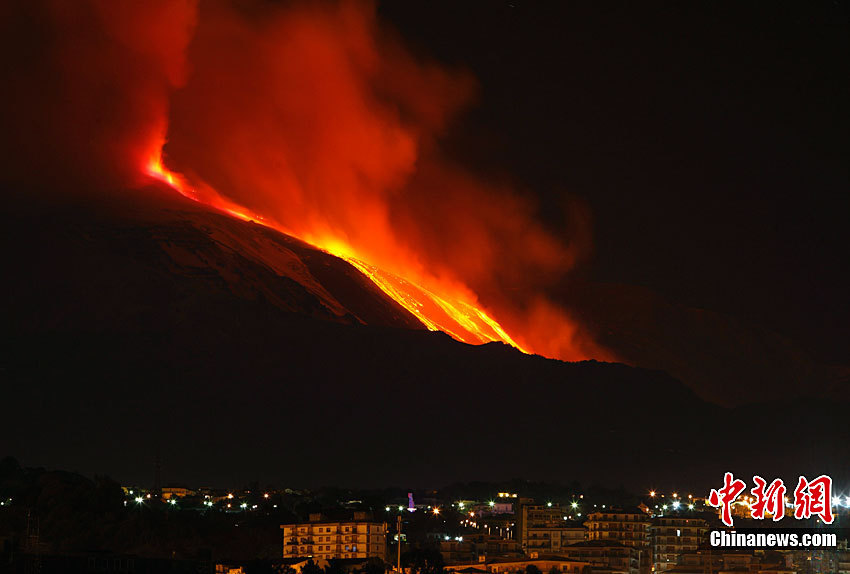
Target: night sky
point(708, 139)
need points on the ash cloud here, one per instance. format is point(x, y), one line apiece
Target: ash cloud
point(86, 87)
point(313, 115)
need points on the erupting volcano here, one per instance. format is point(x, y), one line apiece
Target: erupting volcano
point(316, 121)
point(332, 240)
point(331, 135)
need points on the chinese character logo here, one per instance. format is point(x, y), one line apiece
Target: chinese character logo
point(732, 487)
point(772, 500)
point(814, 498)
point(811, 498)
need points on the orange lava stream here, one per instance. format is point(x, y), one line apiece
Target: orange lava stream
point(453, 315)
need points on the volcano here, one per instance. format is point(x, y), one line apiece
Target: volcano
point(236, 350)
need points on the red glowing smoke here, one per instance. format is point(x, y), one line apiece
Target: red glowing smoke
point(314, 116)
point(86, 86)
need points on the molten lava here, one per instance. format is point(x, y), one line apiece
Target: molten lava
point(451, 313)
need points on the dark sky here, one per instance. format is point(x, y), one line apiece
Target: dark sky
point(709, 140)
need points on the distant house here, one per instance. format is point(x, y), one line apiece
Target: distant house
point(545, 564)
point(176, 492)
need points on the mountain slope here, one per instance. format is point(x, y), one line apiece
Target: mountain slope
point(146, 323)
point(724, 359)
point(150, 258)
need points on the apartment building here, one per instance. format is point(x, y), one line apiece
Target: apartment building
point(612, 556)
point(629, 527)
point(673, 536)
point(319, 538)
point(544, 529)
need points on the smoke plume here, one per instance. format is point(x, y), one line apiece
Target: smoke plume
point(315, 116)
point(86, 87)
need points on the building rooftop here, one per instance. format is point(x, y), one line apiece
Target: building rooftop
point(625, 510)
point(598, 544)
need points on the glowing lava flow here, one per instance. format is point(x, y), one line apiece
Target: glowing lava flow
point(455, 316)
point(463, 321)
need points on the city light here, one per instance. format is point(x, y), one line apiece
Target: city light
point(172, 501)
point(548, 504)
point(690, 507)
point(387, 508)
point(460, 505)
point(139, 499)
point(230, 496)
point(266, 495)
point(574, 504)
point(436, 510)
point(400, 508)
point(676, 504)
point(675, 495)
point(492, 504)
point(652, 493)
